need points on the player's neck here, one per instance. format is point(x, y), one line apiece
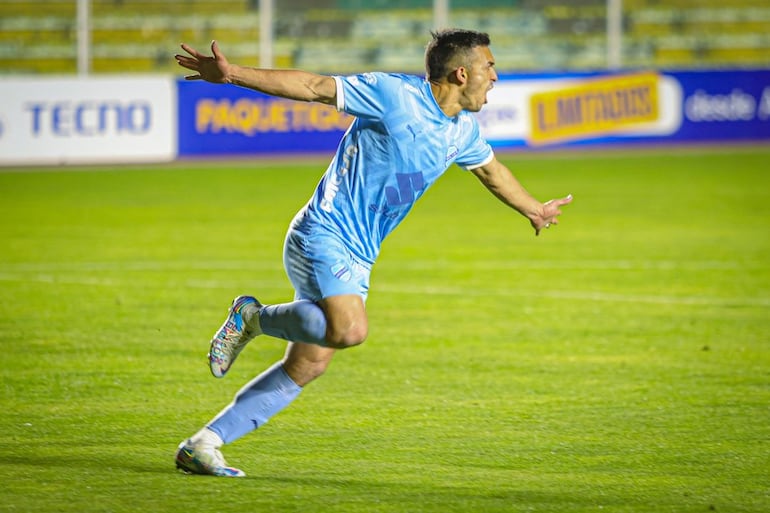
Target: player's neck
point(447, 99)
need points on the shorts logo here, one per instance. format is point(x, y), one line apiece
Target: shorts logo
point(341, 272)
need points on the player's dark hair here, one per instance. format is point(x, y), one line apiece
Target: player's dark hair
point(448, 43)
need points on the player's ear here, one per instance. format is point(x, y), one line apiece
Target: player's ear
point(459, 76)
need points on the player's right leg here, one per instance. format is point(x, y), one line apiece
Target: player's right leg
point(331, 288)
point(240, 326)
point(329, 311)
point(346, 321)
point(335, 322)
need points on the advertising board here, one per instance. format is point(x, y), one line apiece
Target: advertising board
point(223, 120)
point(543, 111)
point(525, 111)
point(69, 120)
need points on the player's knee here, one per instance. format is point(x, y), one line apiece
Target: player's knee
point(348, 337)
point(305, 371)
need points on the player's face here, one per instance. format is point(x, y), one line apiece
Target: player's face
point(481, 76)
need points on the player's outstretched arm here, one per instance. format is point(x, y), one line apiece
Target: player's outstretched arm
point(291, 84)
point(500, 181)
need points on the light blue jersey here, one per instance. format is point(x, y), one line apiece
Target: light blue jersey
point(400, 143)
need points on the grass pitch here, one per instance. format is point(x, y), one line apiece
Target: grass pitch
point(620, 362)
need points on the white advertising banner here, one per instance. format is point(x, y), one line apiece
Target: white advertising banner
point(551, 111)
point(71, 120)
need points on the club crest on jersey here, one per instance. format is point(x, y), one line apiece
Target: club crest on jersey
point(451, 153)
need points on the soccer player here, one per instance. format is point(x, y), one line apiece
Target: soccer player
point(407, 131)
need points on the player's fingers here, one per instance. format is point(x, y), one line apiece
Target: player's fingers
point(551, 214)
point(193, 77)
point(187, 62)
point(215, 50)
point(192, 51)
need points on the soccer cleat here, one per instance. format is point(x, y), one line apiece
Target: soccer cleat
point(234, 334)
point(204, 460)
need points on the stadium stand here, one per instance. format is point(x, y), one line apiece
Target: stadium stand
point(39, 36)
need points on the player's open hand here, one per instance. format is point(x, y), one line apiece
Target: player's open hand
point(211, 69)
point(550, 214)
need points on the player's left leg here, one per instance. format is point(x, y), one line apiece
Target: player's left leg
point(200, 454)
point(253, 406)
point(331, 289)
point(306, 362)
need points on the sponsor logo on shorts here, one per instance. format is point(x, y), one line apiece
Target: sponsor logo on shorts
point(341, 271)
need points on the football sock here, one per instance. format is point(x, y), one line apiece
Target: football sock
point(255, 404)
point(206, 437)
point(298, 321)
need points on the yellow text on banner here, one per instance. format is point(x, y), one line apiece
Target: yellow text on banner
point(596, 107)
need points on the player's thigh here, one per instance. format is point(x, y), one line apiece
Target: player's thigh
point(346, 319)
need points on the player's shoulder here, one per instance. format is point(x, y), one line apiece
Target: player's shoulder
point(374, 77)
point(409, 81)
point(467, 119)
point(391, 83)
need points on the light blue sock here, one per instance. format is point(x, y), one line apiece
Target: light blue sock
point(256, 403)
point(298, 321)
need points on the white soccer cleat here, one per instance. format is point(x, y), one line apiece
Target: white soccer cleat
point(234, 334)
point(200, 454)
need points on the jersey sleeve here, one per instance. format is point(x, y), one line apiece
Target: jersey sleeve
point(366, 95)
point(478, 152)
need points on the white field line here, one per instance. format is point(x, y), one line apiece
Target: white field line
point(128, 283)
point(579, 295)
point(72, 274)
point(580, 265)
point(218, 265)
point(411, 265)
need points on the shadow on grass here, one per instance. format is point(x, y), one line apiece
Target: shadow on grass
point(160, 484)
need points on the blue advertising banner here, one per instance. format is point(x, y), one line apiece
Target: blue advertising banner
point(228, 120)
point(524, 111)
point(725, 106)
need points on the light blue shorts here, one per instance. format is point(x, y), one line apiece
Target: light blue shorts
point(319, 265)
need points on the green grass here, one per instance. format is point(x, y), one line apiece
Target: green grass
point(620, 362)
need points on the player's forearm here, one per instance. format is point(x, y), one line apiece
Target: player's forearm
point(291, 84)
point(501, 182)
point(515, 196)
